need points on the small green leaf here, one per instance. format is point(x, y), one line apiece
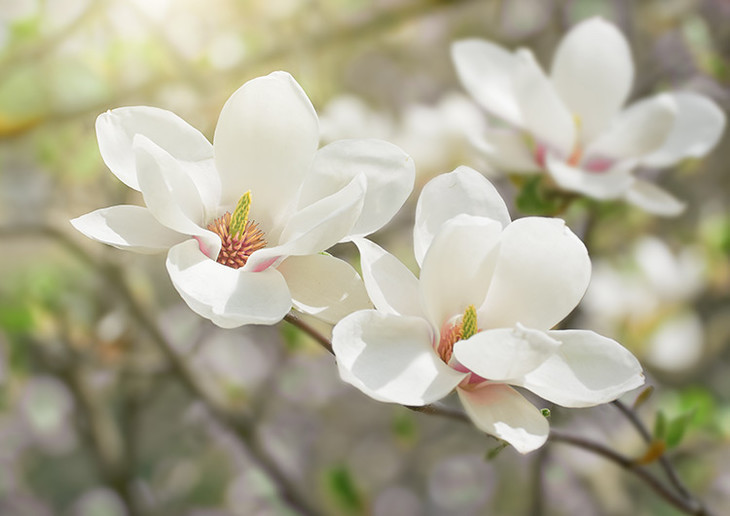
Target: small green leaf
point(643, 396)
point(660, 426)
point(469, 326)
point(677, 428)
point(239, 218)
point(545, 413)
point(341, 486)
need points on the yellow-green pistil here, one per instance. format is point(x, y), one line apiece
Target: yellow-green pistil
point(240, 237)
point(461, 330)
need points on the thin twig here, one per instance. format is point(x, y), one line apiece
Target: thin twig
point(309, 330)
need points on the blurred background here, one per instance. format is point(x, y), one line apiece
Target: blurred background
point(116, 399)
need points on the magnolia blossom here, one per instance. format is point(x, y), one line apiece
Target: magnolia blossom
point(479, 318)
point(573, 123)
point(246, 219)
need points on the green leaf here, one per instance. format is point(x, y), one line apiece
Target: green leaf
point(532, 198)
point(677, 428)
point(660, 426)
point(341, 487)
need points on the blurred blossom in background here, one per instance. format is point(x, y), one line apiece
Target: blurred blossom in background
point(94, 419)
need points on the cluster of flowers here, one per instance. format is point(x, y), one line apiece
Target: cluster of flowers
point(247, 219)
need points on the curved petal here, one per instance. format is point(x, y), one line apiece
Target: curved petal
point(505, 353)
point(389, 172)
point(637, 131)
point(487, 72)
point(458, 266)
point(392, 358)
point(115, 131)
point(542, 271)
point(324, 286)
point(610, 184)
point(462, 191)
point(170, 194)
point(653, 199)
point(228, 297)
point(588, 369)
point(131, 228)
point(543, 112)
point(506, 150)
point(265, 141)
point(391, 286)
point(501, 411)
point(592, 72)
point(317, 227)
point(697, 128)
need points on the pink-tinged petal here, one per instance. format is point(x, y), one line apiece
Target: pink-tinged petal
point(265, 141)
point(543, 111)
point(170, 194)
point(228, 297)
point(487, 72)
point(592, 72)
point(458, 266)
point(116, 129)
point(698, 126)
point(462, 191)
point(389, 173)
point(501, 411)
point(505, 353)
point(315, 228)
point(507, 150)
point(637, 131)
point(587, 369)
point(324, 286)
point(391, 286)
point(653, 199)
point(391, 358)
point(606, 185)
point(542, 271)
point(131, 228)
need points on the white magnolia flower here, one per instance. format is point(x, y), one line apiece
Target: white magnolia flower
point(478, 319)
point(246, 219)
point(573, 123)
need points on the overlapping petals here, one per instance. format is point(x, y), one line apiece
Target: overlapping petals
point(573, 124)
point(515, 281)
point(302, 201)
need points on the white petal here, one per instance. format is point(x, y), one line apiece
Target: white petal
point(487, 72)
point(228, 297)
point(610, 184)
point(462, 191)
point(132, 228)
point(324, 286)
point(697, 128)
point(637, 131)
point(458, 266)
point(392, 358)
point(505, 353)
point(543, 112)
point(391, 286)
point(501, 411)
point(265, 141)
point(653, 199)
point(315, 228)
point(389, 172)
point(588, 369)
point(506, 150)
point(542, 271)
point(592, 72)
point(115, 131)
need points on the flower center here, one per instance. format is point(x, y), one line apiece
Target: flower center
point(453, 331)
point(240, 237)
